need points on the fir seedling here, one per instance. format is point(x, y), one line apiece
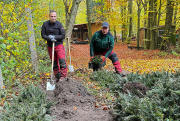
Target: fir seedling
point(96, 63)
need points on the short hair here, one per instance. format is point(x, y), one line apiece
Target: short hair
point(52, 11)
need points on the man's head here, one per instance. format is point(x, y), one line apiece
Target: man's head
point(52, 16)
point(105, 27)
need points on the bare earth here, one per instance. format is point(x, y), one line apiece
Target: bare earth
point(75, 103)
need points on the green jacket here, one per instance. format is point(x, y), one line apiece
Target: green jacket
point(101, 43)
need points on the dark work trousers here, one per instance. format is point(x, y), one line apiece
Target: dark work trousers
point(113, 57)
point(60, 66)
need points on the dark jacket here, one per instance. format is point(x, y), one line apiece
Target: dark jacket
point(100, 43)
point(56, 29)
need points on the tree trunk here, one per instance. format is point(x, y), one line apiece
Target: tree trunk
point(175, 13)
point(144, 3)
point(70, 19)
point(1, 80)
point(130, 19)
point(32, 40)
point(168, 24)
point(139, 12)
point(179, 41)
point(89, 21)
point(123, 25)
point(102, 11)
point(169, 15)
point(154, 43)
point(115, 36)
point(151, 24)
point(159, 14)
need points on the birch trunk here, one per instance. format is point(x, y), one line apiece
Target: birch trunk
point(32, 40)
point(1, 80)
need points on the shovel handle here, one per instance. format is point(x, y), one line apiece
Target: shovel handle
point(52, 60)
point(69, 49)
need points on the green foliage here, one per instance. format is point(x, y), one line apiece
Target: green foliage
point(104, 77)
point(160, 103)
point(174, 53)
point(30, 104)
point(96, 61)
point(161, 54)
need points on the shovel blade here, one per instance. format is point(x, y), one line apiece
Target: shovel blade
point(70, 67)
point(50, 85)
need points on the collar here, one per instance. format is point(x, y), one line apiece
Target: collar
point(52, 23)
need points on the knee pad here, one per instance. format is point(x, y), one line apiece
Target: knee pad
point(55, 65)
point(113, 57)
point(62, 63)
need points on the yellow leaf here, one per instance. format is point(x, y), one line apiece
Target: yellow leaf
point(6, 31)
point(26, 6)
point(1, 24)
point(98, 88)
point(14, 14)
point(8, 47)
point(8, 53)
point(9, 22)
point(15, 19)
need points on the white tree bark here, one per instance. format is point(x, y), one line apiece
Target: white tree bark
point(32, 40)
point(1, 80)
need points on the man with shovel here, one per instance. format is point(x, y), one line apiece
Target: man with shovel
point(102, 43)
point(53, 31)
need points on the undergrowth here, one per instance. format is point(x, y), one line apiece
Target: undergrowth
point(30, 104)
point(161, 102)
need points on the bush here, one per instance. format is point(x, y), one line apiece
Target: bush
point(162, 101)
point(30, 104)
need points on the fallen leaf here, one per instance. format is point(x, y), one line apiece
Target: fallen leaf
point(75, 108)
point(105, 108)
point(96, 106)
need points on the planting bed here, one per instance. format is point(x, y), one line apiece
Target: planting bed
point(75, 103)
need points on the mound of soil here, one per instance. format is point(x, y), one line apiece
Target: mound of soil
point(135, 88)
point(75, 103)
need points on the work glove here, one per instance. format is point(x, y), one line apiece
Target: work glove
point(104, 58)
point(52, 38)
point(91, 58)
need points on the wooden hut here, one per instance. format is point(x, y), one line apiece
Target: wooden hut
point(80, 31)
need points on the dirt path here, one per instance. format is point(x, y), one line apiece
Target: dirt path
point(75, 103)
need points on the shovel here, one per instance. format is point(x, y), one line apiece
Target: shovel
point(51, 83)
point(70, 67)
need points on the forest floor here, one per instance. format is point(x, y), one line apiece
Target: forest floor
point(74, 102)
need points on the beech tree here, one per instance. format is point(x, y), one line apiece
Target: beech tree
point(89, 21)
point(71, 13)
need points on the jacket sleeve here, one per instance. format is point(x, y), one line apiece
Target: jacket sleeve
point(43, 33)
point(111, 45)
point(92, 46)
point(61, 35)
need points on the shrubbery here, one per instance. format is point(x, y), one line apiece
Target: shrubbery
point(30, 104)
point(161, 101)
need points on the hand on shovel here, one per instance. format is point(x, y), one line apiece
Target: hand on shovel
point(52, 38)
